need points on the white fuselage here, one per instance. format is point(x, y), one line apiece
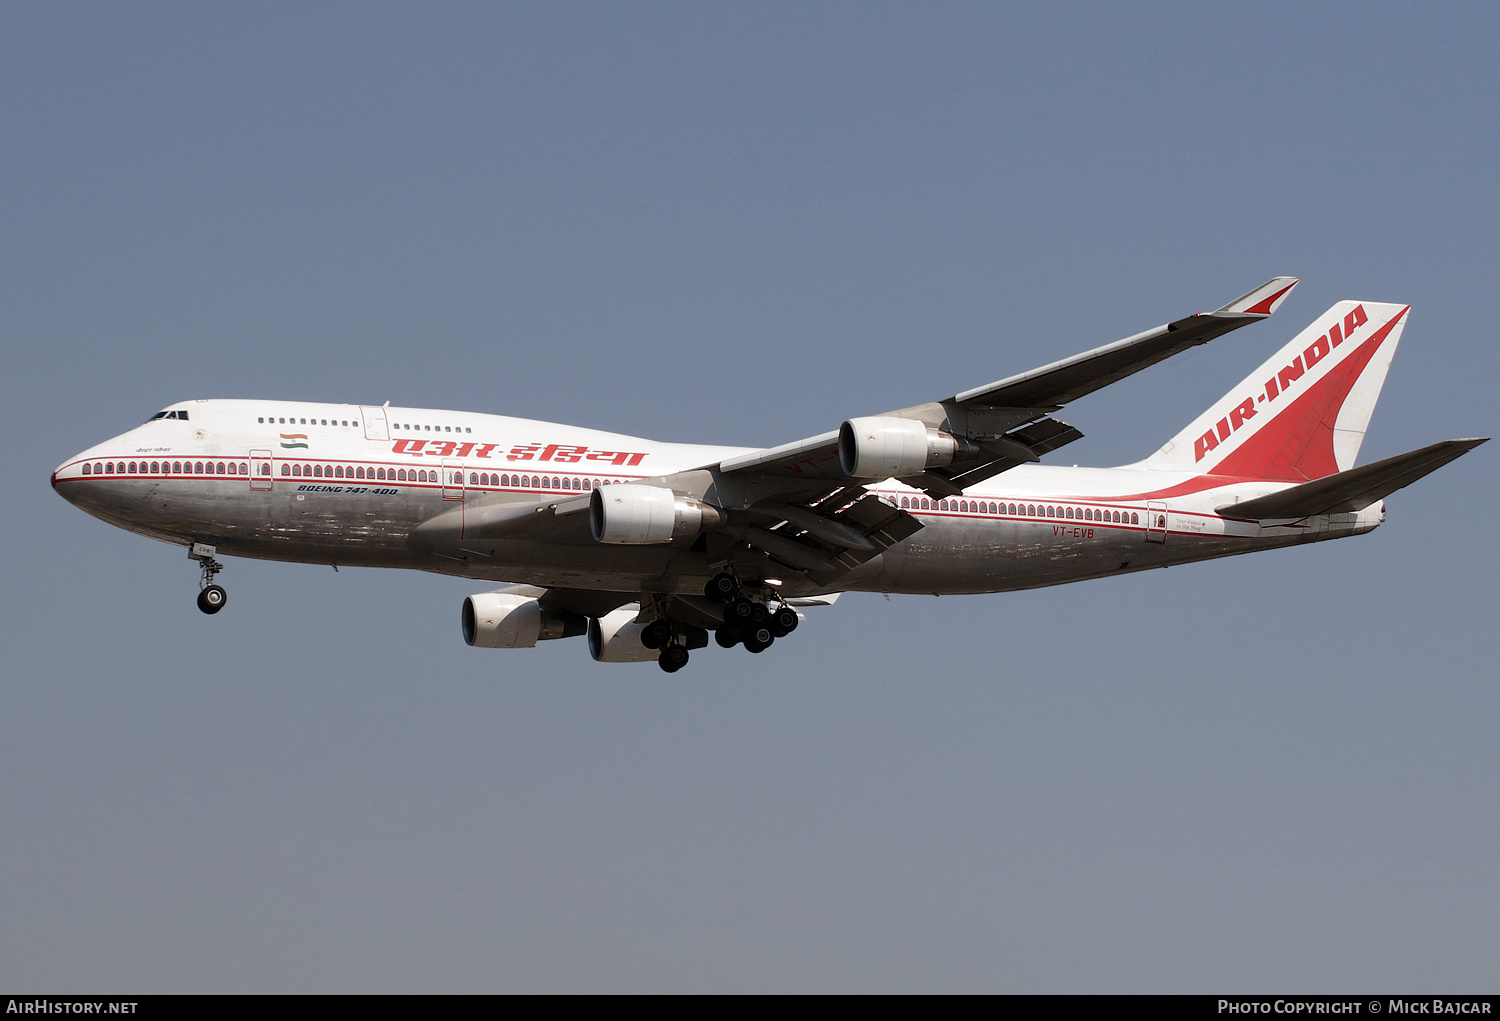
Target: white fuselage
point(349, 485)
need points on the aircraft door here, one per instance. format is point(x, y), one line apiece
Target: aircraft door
point(260, 469)
point(375, 424)
point(453, 480)
point(1156, 522)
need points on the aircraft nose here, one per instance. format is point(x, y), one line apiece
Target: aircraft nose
point(69, 480)
point(65, 471)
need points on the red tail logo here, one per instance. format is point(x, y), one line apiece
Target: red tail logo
point(1283, 382)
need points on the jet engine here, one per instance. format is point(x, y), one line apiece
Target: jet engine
point(505, 620)
point(616, 637)
point(634, 514)
point(892, 448)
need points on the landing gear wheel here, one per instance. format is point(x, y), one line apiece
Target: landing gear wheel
point(728, 636)
point(722, 588)
point(673, 658)
point(783, 622)
point(212, 599)
point(656, 634)
point(758, 638)
point(739, 612)
point(754, 642)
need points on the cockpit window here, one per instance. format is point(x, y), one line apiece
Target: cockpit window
point(181, 416)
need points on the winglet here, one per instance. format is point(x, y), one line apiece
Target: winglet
point(1262, 301)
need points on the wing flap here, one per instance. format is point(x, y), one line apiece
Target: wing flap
point(1000, 454)
point(828, 537)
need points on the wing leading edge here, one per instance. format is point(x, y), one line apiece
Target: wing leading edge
point(1006, 423)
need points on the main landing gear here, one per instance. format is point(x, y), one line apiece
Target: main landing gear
point(748, 620)
point(211, 597)
point(753, 616)
point(674, 641)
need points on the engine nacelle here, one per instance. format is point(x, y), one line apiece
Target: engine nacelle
point(616, 638)
point(505, 620)
point(892, 448)
point(634, 514)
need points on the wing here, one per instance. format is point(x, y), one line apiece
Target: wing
point(804, 504)
point(1002, 424)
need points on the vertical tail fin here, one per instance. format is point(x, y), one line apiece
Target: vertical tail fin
point(1302, 415)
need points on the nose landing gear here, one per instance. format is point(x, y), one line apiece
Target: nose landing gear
point(211, 597)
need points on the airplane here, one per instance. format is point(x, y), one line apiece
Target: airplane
point(647, 548)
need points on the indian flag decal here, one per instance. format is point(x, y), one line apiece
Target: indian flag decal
point(293, 440)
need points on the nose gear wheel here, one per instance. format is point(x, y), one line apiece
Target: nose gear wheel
point(211, 597)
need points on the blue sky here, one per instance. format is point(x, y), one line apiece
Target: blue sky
point(743, 224)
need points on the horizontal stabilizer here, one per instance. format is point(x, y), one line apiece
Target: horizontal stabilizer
point(1355, 489)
